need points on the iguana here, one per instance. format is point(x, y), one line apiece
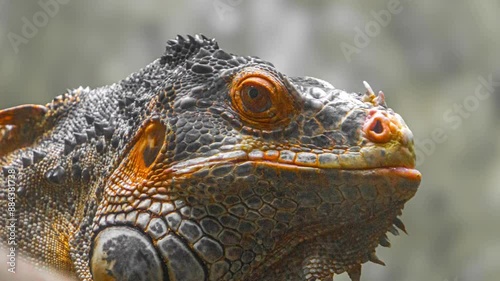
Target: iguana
point(205, 165)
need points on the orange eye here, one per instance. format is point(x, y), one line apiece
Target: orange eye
point(262, 100)
point(255, 97)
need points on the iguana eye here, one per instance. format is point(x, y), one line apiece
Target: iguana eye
point(256, 98)
point(261, 99)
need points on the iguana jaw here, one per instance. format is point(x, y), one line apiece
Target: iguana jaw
point(341, 215)
point(398, 162)
point(356, 209)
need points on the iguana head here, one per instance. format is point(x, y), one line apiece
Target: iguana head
point(220, 167)
point(244, 173)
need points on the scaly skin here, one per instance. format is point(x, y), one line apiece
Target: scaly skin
point(205, 166)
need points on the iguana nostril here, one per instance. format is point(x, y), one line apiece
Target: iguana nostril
point(377, 128)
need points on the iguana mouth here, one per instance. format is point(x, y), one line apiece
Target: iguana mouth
point(290, 161)
point(376, 188)
point(411, 174)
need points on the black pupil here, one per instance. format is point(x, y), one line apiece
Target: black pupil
point(253, 92)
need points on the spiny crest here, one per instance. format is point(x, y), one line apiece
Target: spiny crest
point(180, 49)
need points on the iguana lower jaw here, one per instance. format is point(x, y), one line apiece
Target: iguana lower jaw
point(348, 219)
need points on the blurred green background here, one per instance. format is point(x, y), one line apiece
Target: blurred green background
point(437, 62)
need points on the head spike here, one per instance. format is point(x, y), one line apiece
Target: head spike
point(369, 95)
point(384, 241)
point(399, 224)
point(80, 138)
point(68, 146)
point(56, 175)
point(38, 156)
point(27, 161)
point(89, 118)
point(380, 100)
point(355, 272)
point(180, 39)
point(393, 230)
point(179, 50)
point(373, 258)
